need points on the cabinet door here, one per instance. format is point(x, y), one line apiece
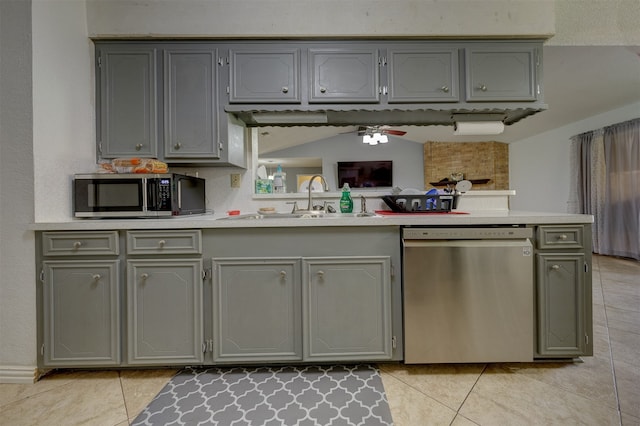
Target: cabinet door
point(164, 311)
point(257, 313)
point(81, 313)
point(127, 101)
point(346, 308)
point(190, 103)
point(499, 73)
point(264, 76)
point(344, 75)
point(423, 76)
point(561, 305)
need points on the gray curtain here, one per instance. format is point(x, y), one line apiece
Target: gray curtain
point(606, 171)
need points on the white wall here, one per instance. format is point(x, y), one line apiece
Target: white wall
point(63, 104)
point(228, 18)
point(539, 166)
point(17, 274)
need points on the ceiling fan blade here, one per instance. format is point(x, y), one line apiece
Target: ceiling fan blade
point(394, 132)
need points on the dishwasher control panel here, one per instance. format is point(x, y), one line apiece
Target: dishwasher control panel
point(489, 233)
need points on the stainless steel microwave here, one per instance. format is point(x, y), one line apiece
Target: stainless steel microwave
point(137, 195)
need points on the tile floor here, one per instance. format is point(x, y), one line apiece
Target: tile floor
point(604, 390)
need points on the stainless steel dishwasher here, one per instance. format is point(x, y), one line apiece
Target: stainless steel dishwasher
point(468, 294)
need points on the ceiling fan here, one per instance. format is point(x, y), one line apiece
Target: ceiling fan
point(383, 130)
point(374, 135)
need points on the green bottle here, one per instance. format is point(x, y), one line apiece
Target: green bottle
point(346, 203)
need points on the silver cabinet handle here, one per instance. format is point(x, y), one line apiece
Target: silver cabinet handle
point(96, 277)
point(320, 274)
point(482, 87)
point(77, 244)
point(162, 243)
point(177, 146)
point(563, 237)
point(138, 147)
point(144, 276)
point(555, 267)
point(285, 89)
point(323, 90)
point(283, 274)
point(445, 89)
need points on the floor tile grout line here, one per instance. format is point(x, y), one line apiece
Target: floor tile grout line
point(124, 397)
point(468, 394)
point(611, 356)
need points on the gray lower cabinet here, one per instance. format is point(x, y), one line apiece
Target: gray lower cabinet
point(563, 291)
point(347, 308)
point(339, 75)
point(256, 308)
point(81, 313)
point(164, 311)
point(264, 74)
point(501, 72)
point(420, 75)
point(127, 99)
point(190, 103)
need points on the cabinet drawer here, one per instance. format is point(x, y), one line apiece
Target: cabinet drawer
point(102, 243)
point(551, 237)
point(164, 242)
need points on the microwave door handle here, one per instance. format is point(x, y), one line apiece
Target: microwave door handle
point(179, 194)
point(145, 200)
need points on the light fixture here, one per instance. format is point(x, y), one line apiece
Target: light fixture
point(374, 138)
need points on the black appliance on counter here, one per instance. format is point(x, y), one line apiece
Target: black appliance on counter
point(134, 195)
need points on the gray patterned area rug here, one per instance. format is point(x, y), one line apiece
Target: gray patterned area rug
point(338, 395)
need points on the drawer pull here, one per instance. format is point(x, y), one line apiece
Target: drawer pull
point(320, 274)
point(563, 237)
point(162, 243)
point(555, 267)
point(285, 89)
point(445, 89)
point(96, 277)
point(323, 90)
point(283, 275)
point(144, 276)
point(77, 244)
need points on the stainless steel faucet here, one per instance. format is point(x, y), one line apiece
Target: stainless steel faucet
point(324, 185)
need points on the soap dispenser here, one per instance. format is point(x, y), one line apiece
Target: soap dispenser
point(279, 182)
point(346, 203)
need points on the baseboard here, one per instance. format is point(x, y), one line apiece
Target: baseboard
point(18, 374)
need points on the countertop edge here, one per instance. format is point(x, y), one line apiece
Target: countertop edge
point(212, 222)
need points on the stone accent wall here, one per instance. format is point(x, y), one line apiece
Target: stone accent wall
point(477, 160)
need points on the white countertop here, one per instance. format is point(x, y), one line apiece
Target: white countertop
point(486, 217)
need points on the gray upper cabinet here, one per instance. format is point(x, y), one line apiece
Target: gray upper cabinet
point(344, 75)
point(190, 103)
point(81, 313)
point(256, 306)
point(422, 75)
point(501, 72)
point(264, 75)
point(162, 100)
point(127, 117)
point(347, 308)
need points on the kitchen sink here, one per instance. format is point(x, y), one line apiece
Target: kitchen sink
point(301, 215)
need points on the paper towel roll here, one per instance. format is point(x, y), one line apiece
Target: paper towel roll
point(478, 128)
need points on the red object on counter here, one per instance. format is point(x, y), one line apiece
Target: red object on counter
point(233, 212)
point(390, 213)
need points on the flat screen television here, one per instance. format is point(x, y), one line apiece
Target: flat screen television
point(365, 174)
